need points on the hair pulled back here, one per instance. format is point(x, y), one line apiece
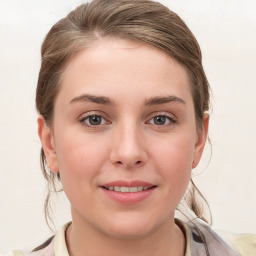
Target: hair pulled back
point(139, 20)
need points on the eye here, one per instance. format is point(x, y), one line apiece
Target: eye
point(161, 120)
point(93, 120)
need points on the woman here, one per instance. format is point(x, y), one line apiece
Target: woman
point(122, 99)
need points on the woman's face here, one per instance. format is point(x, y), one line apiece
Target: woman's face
point(123, 120)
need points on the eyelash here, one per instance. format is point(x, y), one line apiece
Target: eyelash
point(84, 119)
point(87, 118)
point(170, 120)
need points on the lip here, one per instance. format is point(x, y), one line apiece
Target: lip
point(123, 183)
point(131, 197)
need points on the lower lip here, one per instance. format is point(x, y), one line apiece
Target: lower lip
point(128, 198)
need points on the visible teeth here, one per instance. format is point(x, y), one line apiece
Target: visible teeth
point(133, 189)
point(124, 189)
point(116, 188)
point(128, 189)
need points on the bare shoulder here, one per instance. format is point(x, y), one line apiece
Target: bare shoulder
point(244, 243)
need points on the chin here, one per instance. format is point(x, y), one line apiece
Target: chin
point(131, 227)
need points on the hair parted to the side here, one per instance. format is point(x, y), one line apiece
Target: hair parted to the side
point(143, 21)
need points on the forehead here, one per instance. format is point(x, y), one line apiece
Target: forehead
point(113, 67)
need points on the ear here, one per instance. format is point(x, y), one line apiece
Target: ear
point(47, 140)
point(201, 139)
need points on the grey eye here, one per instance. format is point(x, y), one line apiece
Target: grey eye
point(94, 120)
point(160, 120)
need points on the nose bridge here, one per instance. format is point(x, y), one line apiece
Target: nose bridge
point(128, 147)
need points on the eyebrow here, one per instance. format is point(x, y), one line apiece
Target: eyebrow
point(162, 100)
point(92, 98)
point(107, 101)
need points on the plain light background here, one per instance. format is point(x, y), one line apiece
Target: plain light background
point(226, 31)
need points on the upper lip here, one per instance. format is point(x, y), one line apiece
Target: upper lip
point(123, 183)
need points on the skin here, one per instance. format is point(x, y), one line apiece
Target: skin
point(127, 144)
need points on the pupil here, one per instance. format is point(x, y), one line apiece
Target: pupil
point(159, 120)
point(95, 120)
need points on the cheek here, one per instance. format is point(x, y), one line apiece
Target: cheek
point(79, 159)
point(174, 158)
point(176, 152)
point(79, 165)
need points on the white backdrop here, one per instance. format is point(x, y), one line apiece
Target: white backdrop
point(226, 31)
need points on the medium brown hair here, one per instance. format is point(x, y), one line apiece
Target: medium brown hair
point(138, 20)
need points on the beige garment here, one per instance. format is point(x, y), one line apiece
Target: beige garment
point(227, 244)
point(245, 244)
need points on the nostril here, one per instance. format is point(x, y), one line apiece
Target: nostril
point(128, 165)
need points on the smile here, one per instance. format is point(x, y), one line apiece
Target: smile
point(128, 189)
point(128, 192)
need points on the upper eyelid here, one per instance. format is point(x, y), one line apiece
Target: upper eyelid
point(92, 113)
point(82, 121)
point(88, 114)
point(172, 120)
point(162, 113)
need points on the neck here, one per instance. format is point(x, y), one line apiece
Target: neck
point(165, 241)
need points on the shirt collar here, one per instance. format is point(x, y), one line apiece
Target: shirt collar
point(60, 245)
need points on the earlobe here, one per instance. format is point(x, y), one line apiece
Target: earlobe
point(47, 140)
point(201, 139)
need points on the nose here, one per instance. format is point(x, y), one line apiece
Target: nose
point(128, 149)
